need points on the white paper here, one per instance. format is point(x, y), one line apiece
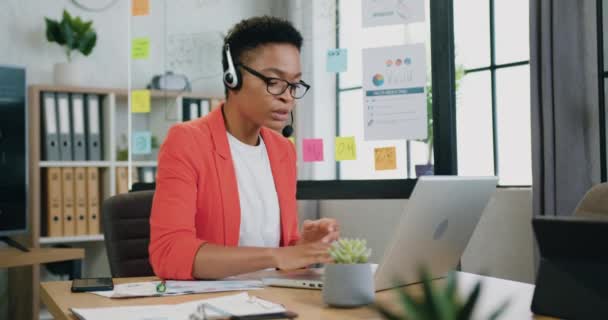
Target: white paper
point(388, 12)
point(148, 289)
point(394, 97)
point(237, 304)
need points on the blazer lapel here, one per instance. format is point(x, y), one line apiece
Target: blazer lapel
point(227, 177)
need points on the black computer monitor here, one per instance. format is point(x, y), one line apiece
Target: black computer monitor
point(13, 152)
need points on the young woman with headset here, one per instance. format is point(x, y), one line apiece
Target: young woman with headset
point(225, 199)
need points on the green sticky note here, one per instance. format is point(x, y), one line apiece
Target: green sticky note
point(140, 101)
point(140, 48)
point(346, 148)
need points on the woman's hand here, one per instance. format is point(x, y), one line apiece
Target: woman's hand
point(325, 230)
point(302, 255)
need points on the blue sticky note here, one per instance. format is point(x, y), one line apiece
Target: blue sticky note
point(142, 142)
point(337, 60)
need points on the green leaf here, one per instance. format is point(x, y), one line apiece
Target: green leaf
point(66, 17)
point(467, 310)
point(68, 34)
point(431, 304)
point(450, 289)
point(411, 308)
point(53, 33)
point(499, 311)
point(87, 43)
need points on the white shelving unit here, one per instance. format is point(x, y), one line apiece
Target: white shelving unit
point(115, 115)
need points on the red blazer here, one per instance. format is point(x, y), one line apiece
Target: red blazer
point(197, 199)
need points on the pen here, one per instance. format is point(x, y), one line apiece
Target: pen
point(161, 287)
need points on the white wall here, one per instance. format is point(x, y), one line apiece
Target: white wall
point(501, 246)
point(197, 23)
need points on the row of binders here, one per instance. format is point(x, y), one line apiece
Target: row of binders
point(72, 126)
point(194, 108)
point(72, 198)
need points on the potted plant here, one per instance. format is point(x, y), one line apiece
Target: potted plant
point(437, 303)
point(349, 281)
point(73, 34)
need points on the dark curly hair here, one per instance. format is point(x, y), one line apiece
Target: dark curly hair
point(253, 32)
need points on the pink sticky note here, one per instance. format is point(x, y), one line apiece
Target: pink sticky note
point(313, 150)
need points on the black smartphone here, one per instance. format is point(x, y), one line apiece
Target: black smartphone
point(92, 284)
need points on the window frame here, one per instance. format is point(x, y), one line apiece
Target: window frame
point(444, 124)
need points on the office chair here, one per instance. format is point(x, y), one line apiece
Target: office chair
point(595, 203)
point(126, 224)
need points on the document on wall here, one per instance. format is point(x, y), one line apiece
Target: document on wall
point(174, 288)
point(240, 304)
point(389, 12)
point(394, 98)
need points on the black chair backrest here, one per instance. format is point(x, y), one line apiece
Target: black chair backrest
point(126, 224)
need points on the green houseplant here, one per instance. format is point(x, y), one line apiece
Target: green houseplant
point(73, 35)
point(349, 281)
point(437, 303)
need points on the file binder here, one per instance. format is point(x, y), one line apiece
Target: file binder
point(54, 203)
point(93, 200)
point(122, 180)
point(78, 135)
point(80, 195)
point(51, 134)
point(205, 107)
point(93, 128)
point(67, 187)
point(65, 132)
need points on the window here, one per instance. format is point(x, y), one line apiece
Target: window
point(352, 36)
point(493, 97)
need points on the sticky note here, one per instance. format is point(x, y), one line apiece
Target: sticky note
point(140, 48)
point(293, 140)
point(336, 60)
point(346, 148)
point(313, 150)
point(385, 158)
point(140, 7)
point(142, 142)
point(140, 101)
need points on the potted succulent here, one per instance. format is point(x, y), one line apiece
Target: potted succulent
point(73, 34)
point(348, 282)
point(437, 303)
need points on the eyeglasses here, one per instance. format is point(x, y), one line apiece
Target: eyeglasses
point(276, 86)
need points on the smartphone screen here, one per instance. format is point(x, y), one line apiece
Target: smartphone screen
point(92, 284)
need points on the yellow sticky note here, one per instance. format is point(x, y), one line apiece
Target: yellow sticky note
point(140, 7)
point(346, 149)
point(292, 139)
point(386, 158)
point(140, 48)
point(140, 101)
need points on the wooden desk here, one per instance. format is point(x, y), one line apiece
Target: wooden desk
point(307, 303)
point(11, 257)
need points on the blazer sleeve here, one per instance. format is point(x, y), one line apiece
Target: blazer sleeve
point(173, 240)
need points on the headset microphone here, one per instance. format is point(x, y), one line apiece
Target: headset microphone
point(288, 130)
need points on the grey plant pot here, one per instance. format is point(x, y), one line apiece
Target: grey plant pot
point(348, 285)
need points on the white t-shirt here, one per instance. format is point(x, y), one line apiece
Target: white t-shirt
point(260, 213)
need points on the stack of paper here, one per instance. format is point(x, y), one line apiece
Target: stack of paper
point(148, 289)
point(216, 308)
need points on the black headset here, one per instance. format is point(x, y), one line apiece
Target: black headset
point(232, 80)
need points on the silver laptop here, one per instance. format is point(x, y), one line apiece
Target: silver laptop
point(434, 230)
